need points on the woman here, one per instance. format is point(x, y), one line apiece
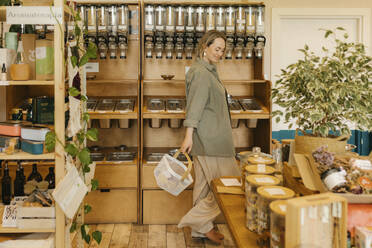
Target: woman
point(208, 134)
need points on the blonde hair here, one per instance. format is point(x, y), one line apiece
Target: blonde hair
point(207, 40)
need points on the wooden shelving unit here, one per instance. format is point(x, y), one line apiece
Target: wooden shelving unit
point(27, 156)
point(17, 91)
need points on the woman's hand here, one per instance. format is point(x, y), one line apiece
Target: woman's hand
point(187, 141)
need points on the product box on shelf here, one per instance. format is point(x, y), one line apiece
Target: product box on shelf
point(33, 147)
point(29, 51)
point(7, 57)
point(363, 237)
point(36, 217)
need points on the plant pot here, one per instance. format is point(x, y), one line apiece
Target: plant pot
point(308, 144)
point(20, 72)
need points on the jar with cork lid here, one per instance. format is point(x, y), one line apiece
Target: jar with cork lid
point(267, 194)
point(278, 210)
point(253, 182)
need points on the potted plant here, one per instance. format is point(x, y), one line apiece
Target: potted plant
point(323, 94)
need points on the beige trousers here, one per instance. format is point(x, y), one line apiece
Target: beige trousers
point(205, 208)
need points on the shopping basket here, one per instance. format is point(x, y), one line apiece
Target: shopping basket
point(172, 175)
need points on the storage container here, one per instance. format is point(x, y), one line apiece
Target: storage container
point(43, 110)
point(175, 105)
point(105, 105)
point(125, 105)
point(250, 104)
point(36, 133)
point(36, 217)
point(33, 147)
point(5, 141)
point(174, 123)
point(278, 210)
point(253, 182)
point(10, 128)
point(124, 123)
point(267, 194)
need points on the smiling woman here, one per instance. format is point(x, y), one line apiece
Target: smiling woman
point(208, 134)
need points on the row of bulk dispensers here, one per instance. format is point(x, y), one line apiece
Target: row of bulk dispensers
point(107, 26)
point(175, 30)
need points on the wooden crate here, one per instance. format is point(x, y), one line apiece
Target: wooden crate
point(160, 207)
point(112, 206)
point(36, 217)
point(310, 221)
point(116, 176)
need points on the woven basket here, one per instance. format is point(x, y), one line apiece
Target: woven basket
point(308, 144)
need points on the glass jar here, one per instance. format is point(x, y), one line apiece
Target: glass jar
point(267, 194)
point(180, 19)
point(190, 19)
point(91, 19)
point(256, 169)
point(253, 182)
point(159, 18)
point(334, 178)
point(278, 210)
point(123, 19)
point(149, 19)
point(240, 21)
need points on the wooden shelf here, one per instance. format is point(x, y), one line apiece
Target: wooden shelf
point(27, 156)
point(162, 115)
point(112, 81)
point(231, 82)
point(17, 230)
point(206, 2)
point(28, 82)
point(107, 1)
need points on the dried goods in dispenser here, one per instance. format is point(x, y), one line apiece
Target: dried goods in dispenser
point(175, 105)
point(155, 105)
point(252, 183)
point(220, 19)
point(230, 20)
point(210, 18)
point(267, 194)
point(240, 21)
point(125, 105)
point(106, 105)
point(154, 156)
point(120, 156)
point(278, 211)
point(234, 105)
point(250, 104)
point(180, 19)
point(91, 104)
point(200, 20)
point(250, 17)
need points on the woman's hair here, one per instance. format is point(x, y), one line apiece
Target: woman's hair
point(207, 40)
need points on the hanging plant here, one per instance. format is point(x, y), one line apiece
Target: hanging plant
point(77, 133)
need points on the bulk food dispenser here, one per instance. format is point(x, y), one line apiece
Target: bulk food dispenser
point(123, 30)
point(149, 30)
point(190, 31)
point(159, 31)
point(180, 31)
point(250, 40)
point(260, 32)
point(112, 31)
point(230, 31)
point(240, 32)
point(91, 23)
point(102, 32)
point(169, 32)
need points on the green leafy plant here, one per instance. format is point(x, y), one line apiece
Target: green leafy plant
point(75, 146)
point(324, 93)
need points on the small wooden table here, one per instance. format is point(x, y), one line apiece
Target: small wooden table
point(232, 206)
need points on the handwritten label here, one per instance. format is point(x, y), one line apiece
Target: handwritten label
point(264, 180)
point(34, 15)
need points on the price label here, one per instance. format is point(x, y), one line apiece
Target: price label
point(180, 28)
point(264, 180)
point(261, 168)
point(100, 28)
point(221, 29)
point(190, 29)
point(149, 27)
point(275, 191)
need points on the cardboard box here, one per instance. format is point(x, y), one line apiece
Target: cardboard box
point(311, 179)
point(363, 237)
point(316, 221)
point(7, 57)
point(29, 41)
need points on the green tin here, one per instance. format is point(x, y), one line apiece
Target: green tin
point(33, 147)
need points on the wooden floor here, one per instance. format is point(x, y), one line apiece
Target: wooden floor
point(152, 236)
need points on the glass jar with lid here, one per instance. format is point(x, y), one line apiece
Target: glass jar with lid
point(253, 182)
point(254, 169)
point(267, 194)
point(278, 210)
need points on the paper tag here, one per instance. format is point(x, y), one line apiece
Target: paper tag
point(275, 191)
point(122, 27)
point(325, 214)
point(149, 27)
point(189, 28)
point(264, 180)
point(240, 21)
point(92, 67)
point(230, 28)
point(41, 52)
point(4, 83)
point(363, 164)
point(200, 28)
point(261, 168)
point(92, 27)
point(283, 207)
point(312, 212)
point(230, 182)
point(159, 27)
point(101, 28)
point(302, 216)
point(219, 28)
point(180, 28)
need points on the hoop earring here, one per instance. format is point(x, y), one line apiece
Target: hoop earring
point(204, 54)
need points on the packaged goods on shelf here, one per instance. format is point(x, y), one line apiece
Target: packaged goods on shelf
point(34, 132)
point(11, 128)
point(33, 147)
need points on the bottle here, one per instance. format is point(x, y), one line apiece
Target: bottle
point(35, 175)
point(6, 183)
point(22, 173)
point(18, 184)
point(50, 178)
point(3, 73)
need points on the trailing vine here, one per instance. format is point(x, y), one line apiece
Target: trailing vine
point(78, 133)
